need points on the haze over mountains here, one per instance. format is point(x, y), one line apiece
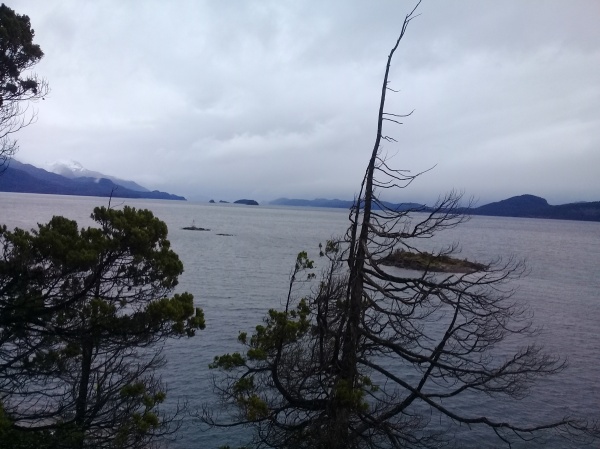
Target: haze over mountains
point(73, 169)
point(72, 179)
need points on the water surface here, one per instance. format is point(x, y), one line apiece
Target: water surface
point(237, 277)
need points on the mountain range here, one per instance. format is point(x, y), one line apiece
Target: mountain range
point(525, 206)
point(531, 206)
point(340, 204)
point(26, 178)
point(73, 169)
point(71, 178)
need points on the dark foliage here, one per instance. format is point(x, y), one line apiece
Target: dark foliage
point(82, 316)
point(18, 54)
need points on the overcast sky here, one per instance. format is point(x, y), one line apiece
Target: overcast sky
point(269, 98)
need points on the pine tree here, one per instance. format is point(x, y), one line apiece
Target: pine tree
point(83, 313)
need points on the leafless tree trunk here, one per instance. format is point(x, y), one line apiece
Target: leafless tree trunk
point(376, 355)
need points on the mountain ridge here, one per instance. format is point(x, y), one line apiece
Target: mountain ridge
point(26, 178)
point(521, 206)
point(338, 204)
point(73, 169)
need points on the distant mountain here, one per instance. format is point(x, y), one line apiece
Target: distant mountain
point(318, 202)
point(26, 178)
point(526, 206)
point(73, 169)
point(531, 206)
point(340, 204)
point(517, 206)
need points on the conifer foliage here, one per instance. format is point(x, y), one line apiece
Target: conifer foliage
point(18, 86)
point(83, 313)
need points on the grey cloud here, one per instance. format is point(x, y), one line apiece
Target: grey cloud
point(274, 98)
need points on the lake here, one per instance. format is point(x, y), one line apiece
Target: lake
point(237, 277)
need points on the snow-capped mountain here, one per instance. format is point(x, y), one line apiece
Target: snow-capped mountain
point(73, 169)
point(26, 178)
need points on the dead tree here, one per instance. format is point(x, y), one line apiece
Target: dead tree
point(378, 357)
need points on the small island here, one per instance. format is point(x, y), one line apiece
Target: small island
point(247, 202)
point(193, 227)
point(427, 261)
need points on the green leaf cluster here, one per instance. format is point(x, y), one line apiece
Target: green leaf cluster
point(81, 309)
point(279, 328)
point(350, 397)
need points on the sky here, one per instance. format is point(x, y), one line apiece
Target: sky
point(230, 99)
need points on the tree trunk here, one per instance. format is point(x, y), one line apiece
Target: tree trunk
point(342, 406)
point(81, 401)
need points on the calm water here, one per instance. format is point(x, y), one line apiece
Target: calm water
point(237, 278)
